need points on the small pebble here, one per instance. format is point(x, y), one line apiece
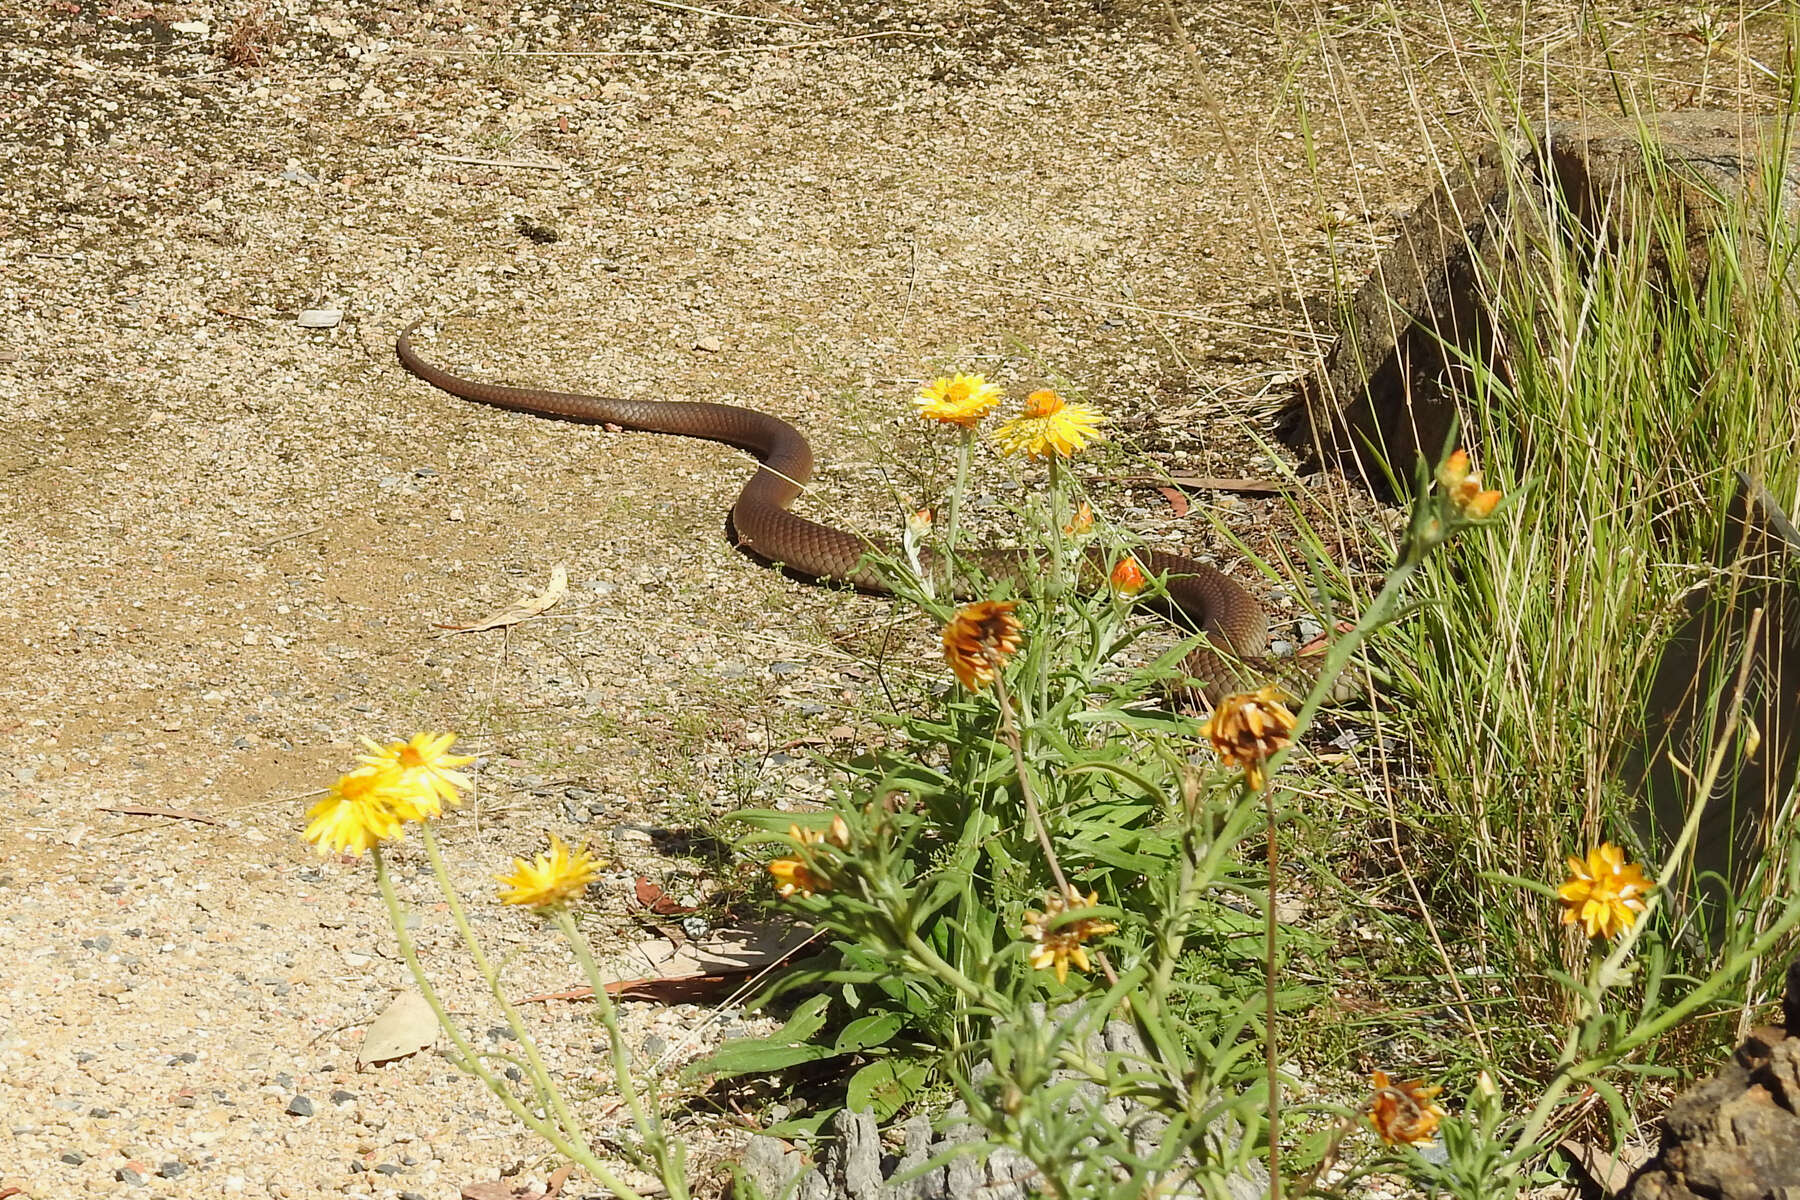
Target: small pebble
point(300, 1106)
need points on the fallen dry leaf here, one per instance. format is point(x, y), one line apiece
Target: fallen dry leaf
point(404, 1027)
point(502, 1189)
point(529, 607)
point(654, 898)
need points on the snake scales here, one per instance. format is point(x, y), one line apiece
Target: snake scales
point(1233, 620)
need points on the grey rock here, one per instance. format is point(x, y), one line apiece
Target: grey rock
point(964, 1178)
point(1389, 382)
point(860, 1141)
point(813, 1186)
point(772, 1167)
point(915, 1151)
point(851, 1165)
point(1008, 1173)
point(1736, 1136)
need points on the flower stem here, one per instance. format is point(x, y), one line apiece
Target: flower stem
point(1270, 1057)
point(1034, 820)
point(965, 455)
point(1059, 516)
point(647, 1121)
point(575, 1148)
point(540, 1074)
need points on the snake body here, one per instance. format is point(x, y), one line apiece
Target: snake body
point(1207, 599)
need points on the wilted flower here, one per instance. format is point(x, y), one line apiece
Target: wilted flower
point(550, 879)
point(1049, 426)
point(1403, 1112)
point(1082, 523)
point(1060, 947)
point(1463, 486)
point(1248, 729)
point(1605, 894)
point(980, 638)
point(1127, 577)
point(362, 809)
point(424, 768)
point(959, 400)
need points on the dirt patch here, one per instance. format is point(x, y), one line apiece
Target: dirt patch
point(226, 541)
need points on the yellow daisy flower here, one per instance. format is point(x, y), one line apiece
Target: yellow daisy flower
point(1059, 948)
point(362, 809)
point(980, 638)
point(1049, 426)
point(426, 770)
point(551, 879)
point(960, 400)
point(1604, 893)
point(1404, 1112)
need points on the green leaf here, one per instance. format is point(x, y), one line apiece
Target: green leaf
point(884, 1086)
point(754, 1057)
point(877, 1029)
point(807, 1126)
point(788, 1046)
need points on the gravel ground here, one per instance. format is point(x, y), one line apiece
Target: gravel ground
point(227, 541)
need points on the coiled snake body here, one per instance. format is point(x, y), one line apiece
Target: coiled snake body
point(1233, 620)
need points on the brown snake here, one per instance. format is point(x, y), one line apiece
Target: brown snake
point(1231, 617)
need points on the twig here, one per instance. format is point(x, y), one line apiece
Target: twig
point(516, 163)
point(174, 814)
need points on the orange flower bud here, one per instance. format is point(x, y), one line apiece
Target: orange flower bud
point(1127, 577)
